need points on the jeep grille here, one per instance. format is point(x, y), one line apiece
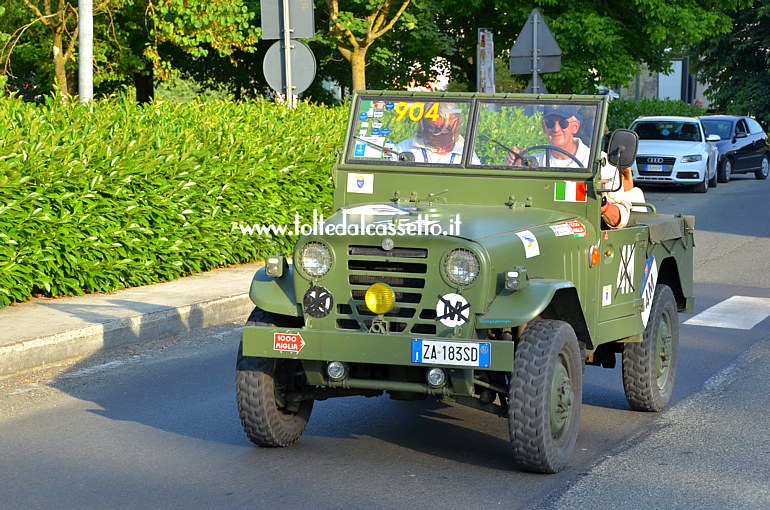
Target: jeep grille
point(402, 270)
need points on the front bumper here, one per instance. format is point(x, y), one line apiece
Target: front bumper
point(378, 363)
point(359, 347)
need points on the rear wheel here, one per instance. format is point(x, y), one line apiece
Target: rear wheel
point(545, 393)
point(762, 171)
point(649, 366)
point(269, 393)
point(725, 170)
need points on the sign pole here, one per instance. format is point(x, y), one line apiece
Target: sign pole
point(536, 20)
point(287, 55)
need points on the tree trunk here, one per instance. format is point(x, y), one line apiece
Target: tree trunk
point(60, 73)
point(145, 89)
point(358, 66)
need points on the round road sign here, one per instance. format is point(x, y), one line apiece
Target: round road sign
point(302, 67)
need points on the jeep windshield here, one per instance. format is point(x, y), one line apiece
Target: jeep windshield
point(475, 132)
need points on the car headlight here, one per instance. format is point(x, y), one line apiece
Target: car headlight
point(461, 267)
point(692, 158)
point(315, 259)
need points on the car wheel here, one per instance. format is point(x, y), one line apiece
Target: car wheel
point(649, 366)
point(725, 171)
point(703, 186)
point(265, 391)
point(764, 168)
point(713, 180)
point(545, 394)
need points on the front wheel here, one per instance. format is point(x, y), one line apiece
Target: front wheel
point(725, 171)
point(545, 394)
point(702, 187)
point(649, 366)
point(271, 394)
point(762, 171)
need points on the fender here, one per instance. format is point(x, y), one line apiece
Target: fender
point(511, 309)
point(275, 295)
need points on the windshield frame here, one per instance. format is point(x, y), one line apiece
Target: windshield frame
point(472, 104)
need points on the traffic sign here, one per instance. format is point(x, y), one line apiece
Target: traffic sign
point(301, 21)
point(536, 49)
point(303, 67)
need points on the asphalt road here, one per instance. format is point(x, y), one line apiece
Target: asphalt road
point(156, 426)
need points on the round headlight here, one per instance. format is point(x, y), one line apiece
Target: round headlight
point(315, 259)
point(461, 267)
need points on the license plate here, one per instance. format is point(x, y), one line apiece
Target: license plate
point(654, 168)
point(465, 354)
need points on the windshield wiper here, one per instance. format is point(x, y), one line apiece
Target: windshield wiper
point(401, 156)
point(516, 155)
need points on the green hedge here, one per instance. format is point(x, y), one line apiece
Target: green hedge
point(623, 112)
point(94, 201)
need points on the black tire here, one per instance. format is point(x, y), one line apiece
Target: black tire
point(261, 388)
point(762, 171)
point(725, 171)
point(713, 180)
point(649, 366)
point(545, 394)
point(702, 187)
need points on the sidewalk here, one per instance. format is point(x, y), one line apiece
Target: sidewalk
point(45, 331)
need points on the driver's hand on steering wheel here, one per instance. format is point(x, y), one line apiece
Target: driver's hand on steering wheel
point(513, 158)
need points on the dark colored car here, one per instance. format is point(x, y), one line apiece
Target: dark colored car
point(743, 147)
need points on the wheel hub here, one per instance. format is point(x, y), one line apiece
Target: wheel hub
point(562, 397)
point(664, 348)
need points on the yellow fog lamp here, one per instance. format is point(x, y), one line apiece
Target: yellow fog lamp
point(379, 298)
point(275, 265)
point(516, 279)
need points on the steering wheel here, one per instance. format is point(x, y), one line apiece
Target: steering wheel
point(547, 148)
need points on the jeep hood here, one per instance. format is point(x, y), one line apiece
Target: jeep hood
point(472, 222)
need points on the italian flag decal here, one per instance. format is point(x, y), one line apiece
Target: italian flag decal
point(569, 191)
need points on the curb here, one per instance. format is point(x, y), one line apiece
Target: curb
point(37, 352)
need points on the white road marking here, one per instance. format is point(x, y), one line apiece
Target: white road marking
point(737, 312)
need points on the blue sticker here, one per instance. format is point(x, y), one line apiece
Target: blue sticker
point(375, 132)
point(390, 105)
point(360, 149)
point(385, 131)
point(363, 116)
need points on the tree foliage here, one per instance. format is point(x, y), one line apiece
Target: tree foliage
point(736, 65)
point(376, 43)
point(601, 42)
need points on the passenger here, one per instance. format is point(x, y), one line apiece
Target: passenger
point(437, 139)
point(617, 205)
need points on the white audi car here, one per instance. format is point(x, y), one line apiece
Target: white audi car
point(675, 151)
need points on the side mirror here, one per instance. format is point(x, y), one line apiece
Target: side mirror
point(622, 148)
point(713, 138)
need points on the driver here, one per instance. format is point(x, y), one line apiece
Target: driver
point(438, 139)
point(560, 124)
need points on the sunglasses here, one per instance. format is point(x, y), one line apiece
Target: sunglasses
point(551, 122)
point(440, 124)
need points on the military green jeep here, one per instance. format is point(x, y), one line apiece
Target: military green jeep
point(467, 260)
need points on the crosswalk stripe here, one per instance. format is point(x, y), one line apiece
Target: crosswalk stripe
point(737, 312)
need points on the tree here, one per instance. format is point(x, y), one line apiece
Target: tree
point(735, 65)
point(356, 30)
point(601, 42)
point(133, 37)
